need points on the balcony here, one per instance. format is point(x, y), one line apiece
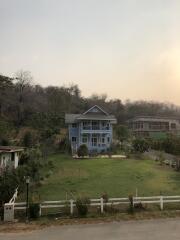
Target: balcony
point(95, 130)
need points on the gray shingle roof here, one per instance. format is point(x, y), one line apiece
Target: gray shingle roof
point(98, 114)
point(73, 118)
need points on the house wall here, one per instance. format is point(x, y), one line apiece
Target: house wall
point(155, 125)
point(79, 131)
point(16, 162)
point(6, 159)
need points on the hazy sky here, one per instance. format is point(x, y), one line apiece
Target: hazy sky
point(129, 49)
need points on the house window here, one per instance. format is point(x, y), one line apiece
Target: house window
point(73, 139)
point(86, 125)
point(108, 139)
point(95, 125)
point(84, 138)
point(74, 125)
point(94, 140)
point(103, 140)
point(105, 125)
point(173, 126)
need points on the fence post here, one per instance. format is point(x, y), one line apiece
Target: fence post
point(40, 210)
point(102, 205)
point(71, 206)
point(161, 202)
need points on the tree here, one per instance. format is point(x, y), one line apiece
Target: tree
point(23, 80)
point(9, 181)
point(27, 139)
point(122, 133)
point(5, 84)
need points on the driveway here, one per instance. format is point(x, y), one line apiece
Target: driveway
point(166, 229)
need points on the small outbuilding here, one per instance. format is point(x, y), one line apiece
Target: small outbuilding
point(9, 156)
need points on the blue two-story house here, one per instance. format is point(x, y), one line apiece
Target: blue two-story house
point(93, 128)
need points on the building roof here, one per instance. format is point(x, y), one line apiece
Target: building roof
point(96, 109)
point(11, 149)
point(94, 113)
point(152, 118)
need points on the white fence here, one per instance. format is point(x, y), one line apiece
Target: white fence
point(101, 203)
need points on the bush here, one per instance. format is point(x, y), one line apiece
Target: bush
point(160, 158)
point(24, 158)
point(82, 150)
point(114, 148)
point(34, 210)
point(93, 153)
point(140, 145)
point(82, 206)
point(105, 197)
point(131, 204)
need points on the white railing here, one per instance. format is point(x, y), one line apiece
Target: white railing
point(100, 202)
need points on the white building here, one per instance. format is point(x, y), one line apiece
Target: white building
point(9, 156)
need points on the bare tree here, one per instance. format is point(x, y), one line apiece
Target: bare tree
point(23, 79)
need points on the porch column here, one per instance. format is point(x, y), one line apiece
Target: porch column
point(90, 140)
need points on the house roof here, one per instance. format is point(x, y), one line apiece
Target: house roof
point(11, 149)
point(152, 118)
point(94, 113)
point(95, 109)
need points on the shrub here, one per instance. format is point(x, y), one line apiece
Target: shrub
point(160, 158)
point(105, 197)
point(50, 164)
point(34, 210)
point(93, 153)
point(140, 145)
point(131, 205)
point(114, 148)
point(24, 158)
point(82, 206)
point(82, 150)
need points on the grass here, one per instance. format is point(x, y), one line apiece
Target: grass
point(117, 177)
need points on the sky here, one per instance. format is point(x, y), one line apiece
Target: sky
point(128, 49)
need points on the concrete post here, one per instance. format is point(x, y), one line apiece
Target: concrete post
point(8, 212)
point(102, 205)
point(40, 213)
point(71, 207)
point(161, 202)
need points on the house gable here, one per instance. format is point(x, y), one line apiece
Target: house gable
point(96, 110)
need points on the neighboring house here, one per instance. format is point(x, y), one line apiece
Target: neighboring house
point(148, 126)
point(93, 128)
point(9, 156)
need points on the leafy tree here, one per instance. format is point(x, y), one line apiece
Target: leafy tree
point(122, 133)
point(27, 139)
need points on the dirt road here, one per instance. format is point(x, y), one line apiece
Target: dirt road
point(162, 229)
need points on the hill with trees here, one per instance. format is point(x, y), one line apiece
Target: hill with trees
point(32, 113)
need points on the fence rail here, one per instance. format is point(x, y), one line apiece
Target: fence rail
point(100, 202)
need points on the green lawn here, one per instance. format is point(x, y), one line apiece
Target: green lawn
point(117, 177)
